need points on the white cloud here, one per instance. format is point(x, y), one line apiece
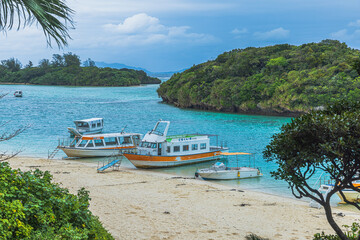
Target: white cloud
point(345, 35)
point(236, 31)
point(142, 29)
point(138, 23)
point(355, 24)
point(275, 34)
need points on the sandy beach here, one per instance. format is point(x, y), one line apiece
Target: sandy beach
point(138, 204)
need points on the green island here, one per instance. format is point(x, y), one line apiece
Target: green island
point(274, 80)
point(67, 70)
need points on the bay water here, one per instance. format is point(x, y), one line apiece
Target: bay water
point(49, 110)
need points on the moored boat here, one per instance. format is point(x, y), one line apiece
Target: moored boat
point(157, 150)
point(101, 145)
point(18, 93)
point(219, 171)
point(350, 194)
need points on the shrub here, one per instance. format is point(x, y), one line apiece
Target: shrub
point(352, 232)
point(33, 207)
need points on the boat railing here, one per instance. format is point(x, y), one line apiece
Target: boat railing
point(66, 142)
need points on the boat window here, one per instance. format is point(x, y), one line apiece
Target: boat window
point(90, 144)
point(125, 140)
point(143, 144)
point(93, 125)
point(99, 143)
point(82, 124)
point(98, 124)
point(74, 142)
point(110, 141)
point(176, 148)
point(168, 149)
point(202, 145)
point(136, 139)
point(185, 147)
point(83, 143)
point(153, 145)
point(194, 147)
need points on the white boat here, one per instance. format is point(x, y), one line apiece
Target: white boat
point(101, 145)
point(18, 93)
point(87, 126)
point(350, 194)
point(219, 171)
point(157, 150)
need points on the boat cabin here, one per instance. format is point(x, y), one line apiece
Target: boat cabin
point(89, 126)
point(157, 143)
point(107, 141)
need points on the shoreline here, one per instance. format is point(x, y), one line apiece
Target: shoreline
point(30, 84)
point(139, 204)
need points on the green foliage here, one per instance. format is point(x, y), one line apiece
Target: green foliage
point(12, 64)
point(324, 141)
point(66, 70)
point(32, 207)
point(352, 232)
point(53, 16)
point(276, 79)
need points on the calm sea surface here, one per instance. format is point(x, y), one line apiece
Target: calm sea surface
point(51, 109)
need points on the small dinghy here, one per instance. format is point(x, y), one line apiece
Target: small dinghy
point(18, 93)
point(219, 171)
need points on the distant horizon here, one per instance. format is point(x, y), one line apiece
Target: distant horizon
point(168, 36)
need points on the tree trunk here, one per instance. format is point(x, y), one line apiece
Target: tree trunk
point(332, 223)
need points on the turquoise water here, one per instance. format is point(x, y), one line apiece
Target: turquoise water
point(51, 109)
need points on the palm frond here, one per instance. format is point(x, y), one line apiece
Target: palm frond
point(53, 16)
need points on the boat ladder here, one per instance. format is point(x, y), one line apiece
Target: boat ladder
point(53, 153)
point(111, 162)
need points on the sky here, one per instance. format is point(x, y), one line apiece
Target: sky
point(171, 35)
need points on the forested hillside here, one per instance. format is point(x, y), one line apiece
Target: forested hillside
point(281, 79)
point(67, 70)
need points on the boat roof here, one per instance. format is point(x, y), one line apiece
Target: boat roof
point(105, 135)
point(89, 120)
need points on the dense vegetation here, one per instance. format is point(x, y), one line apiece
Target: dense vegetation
point(67, 70)
point(280, 79)
point(31, 207)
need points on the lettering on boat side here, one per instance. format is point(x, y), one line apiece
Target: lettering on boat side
point(184, 139)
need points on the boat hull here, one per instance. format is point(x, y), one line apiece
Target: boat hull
point(351, 196)
point(83, 153)
point(229, 174)
point(146, 161)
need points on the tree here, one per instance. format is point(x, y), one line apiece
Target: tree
point(5, 136)
point(29, 65)
point(12, 64)
point(89, 63)
point(44, 63)
point(325, 141)
point(58, 61)
point(54, 17)
point(72, 60)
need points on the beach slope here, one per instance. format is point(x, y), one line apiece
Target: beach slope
point(138, 204)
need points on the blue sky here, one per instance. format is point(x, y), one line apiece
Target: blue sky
point(169, 35)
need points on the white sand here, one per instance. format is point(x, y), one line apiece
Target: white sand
point(137, 204)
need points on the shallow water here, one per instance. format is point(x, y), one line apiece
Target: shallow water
point(51, 109)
